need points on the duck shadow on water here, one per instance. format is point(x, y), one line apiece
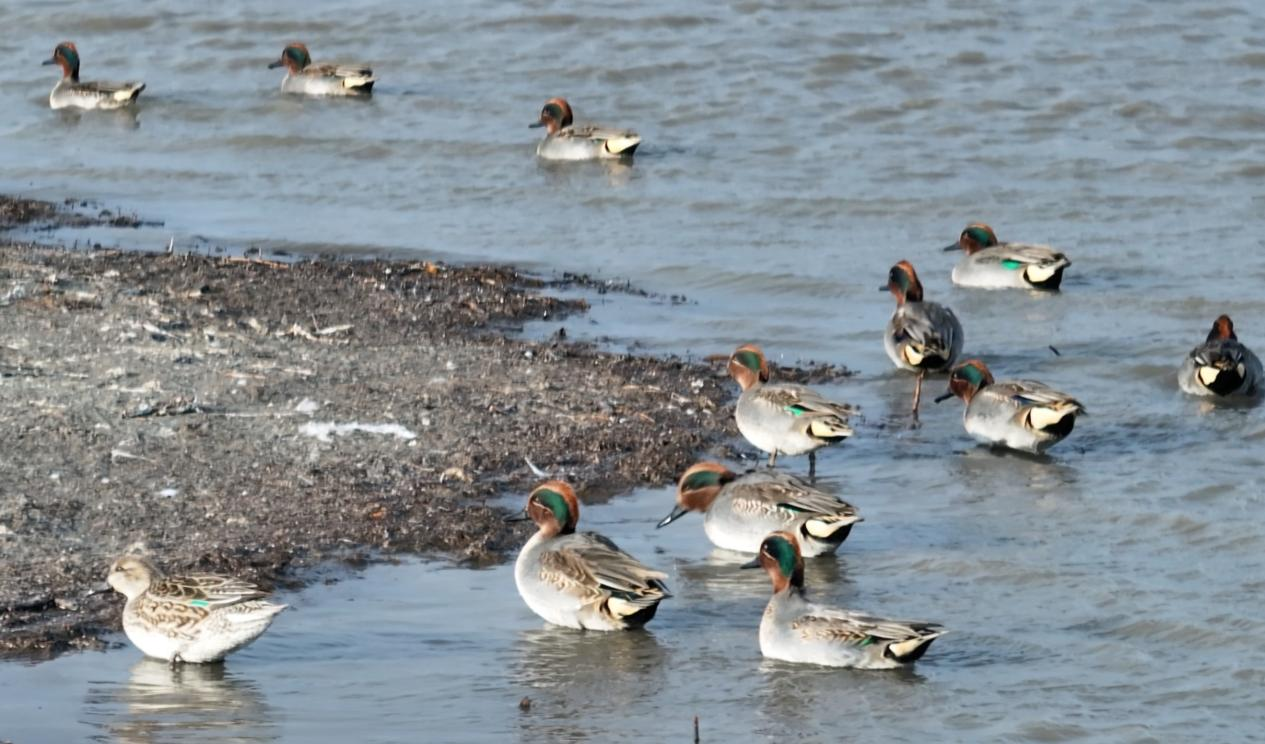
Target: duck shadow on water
point(161, 702)
point(983, 469)
point(123, 119)
point(617, 171)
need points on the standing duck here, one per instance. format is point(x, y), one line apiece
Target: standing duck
point(796, 630)
point(306, 78)
point(783, 418)
point(740, 510)
point(1023, 415)
point(71, 92)
point(565, 141)
point(1221, 366)
point(921, 336)
point(580, 579)
point(992, 265)
point(197, 618)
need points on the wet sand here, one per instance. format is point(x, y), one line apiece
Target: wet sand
point(259, 418)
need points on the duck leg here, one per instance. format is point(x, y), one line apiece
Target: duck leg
point(773, 459)
point(918, 392)
point(812, 467)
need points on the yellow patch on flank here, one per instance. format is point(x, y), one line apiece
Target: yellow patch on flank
point(1040, 417)
point(1208, 375)
point(622, 608)
point(1038, 274)
point(913, 357)
point(822, 529)
point(616, 145)
point(825, 430)
point(356, 81)
point(904, 648)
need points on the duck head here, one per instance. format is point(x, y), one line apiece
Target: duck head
point(902, 282)
point(780, 557)
point(1222, 330)
point(967, 379)
point(294, 57)
point(748, 367)
point(66, 55)
point(555, 115)
point(975, 237)
point(1224, 372)
point(131, 575)
point(698, 488)
point(553, 507)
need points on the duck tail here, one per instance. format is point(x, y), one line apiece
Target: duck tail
point(128, 92)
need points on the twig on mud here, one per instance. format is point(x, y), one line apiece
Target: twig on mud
point(118, 454)
point(177, 407)
point(260, 261)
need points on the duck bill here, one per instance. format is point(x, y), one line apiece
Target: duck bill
point(536, 125)
point(954, 247)
point(943, 398)
point(753, 563)
point(50, 61)
point(276, 64)
point(101, 588)
point(517, 517)
point(884, 288)
point(677, 512)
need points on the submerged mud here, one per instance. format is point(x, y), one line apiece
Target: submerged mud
point(256, 418)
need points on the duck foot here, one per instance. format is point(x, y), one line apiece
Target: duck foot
point(812, 467)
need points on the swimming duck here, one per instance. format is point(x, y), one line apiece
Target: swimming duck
point(1023, 415)
point(324, 79)
point(740, 510)
point(783, 418)
point(580, 579)
point(197, 618)
point(71, 93)
point(921, 336)
point(796, 630)
point(1221, 366)
point(994, 265)
point(565, 141)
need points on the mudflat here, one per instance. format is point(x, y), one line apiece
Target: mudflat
point(259, 418)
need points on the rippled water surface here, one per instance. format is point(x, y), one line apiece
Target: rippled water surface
point(793, 152)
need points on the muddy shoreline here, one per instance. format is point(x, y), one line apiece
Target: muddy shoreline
point(262, 418)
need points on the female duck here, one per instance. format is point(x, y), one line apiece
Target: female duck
point(922, 336)
point(70, 92)
point(305, 78)
point(580, 579)
point(1221, 366)
point(740, 510)
point(994, 265)
point(783, 418)
point(1020, 414)
point(793, 629)
point(198, 618)
point(565, 141)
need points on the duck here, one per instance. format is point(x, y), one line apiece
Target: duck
point(784, 418)
point(71, 92)
point(305, 78)
point(740, 510)
point(992, 265)
point(1221, 366)
point(565, 141)
point(197, 619)
point(796, 630)
point(1023, 415)
point(580, 580)
point(921, 336)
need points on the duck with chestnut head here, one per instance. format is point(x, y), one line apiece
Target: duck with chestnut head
point(740, 510)
point(921, 336)
point(196, 618)
point(566, 141)
point(784, 418)
point(796, 630)
point(71, 92)
point(988, 264)
point(1023, 415)
point(325, 79)
point(1221, 366)
point(580, 580)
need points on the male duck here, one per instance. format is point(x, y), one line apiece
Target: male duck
point(70, 92)
point(783, 418)
point(580, 579)
point(740, 510)
point(796, 630)
point(306, 78)
point(921, 336)
point(994, 265)
point(1023, 415)
point(1221, 366)
point(199, 618)
point(565, 141)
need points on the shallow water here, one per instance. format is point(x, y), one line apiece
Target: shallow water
point(792, 154)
